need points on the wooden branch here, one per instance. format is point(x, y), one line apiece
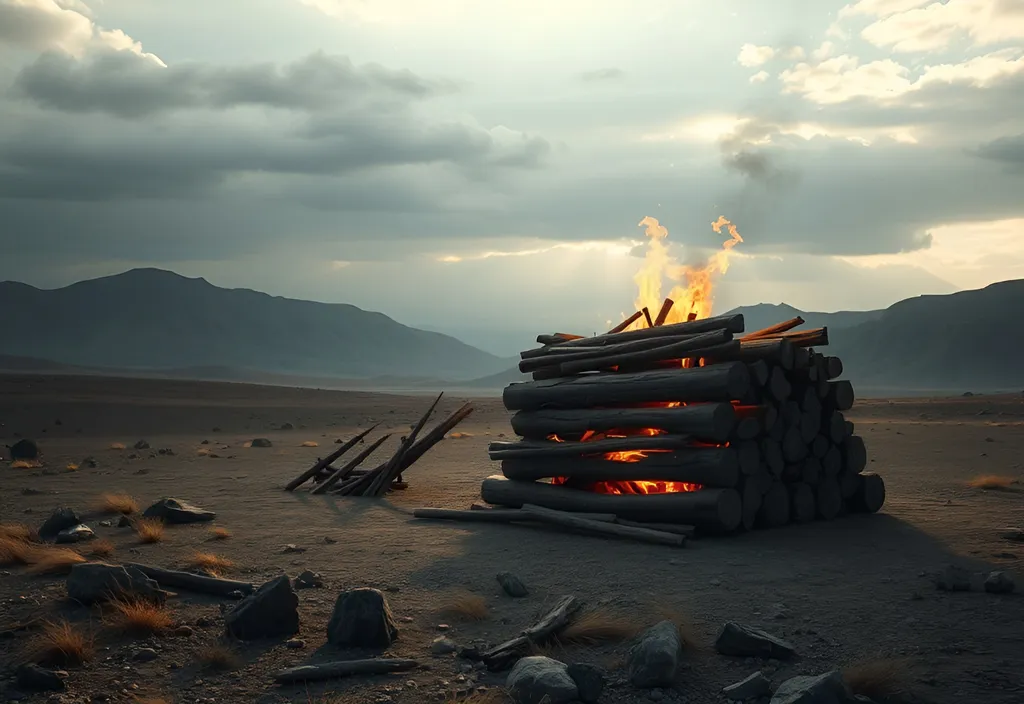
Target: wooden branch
point(391, 469)
point(344, 668)
point(817, 337)
point(344, 472)
point(193, 582)
point(666, 308)
point(647, 316)
point(504, 655)
point(775, 329)
point(558, 355)
point(326, 461)
point(557, 338)
point(676, 528)
point(568, 520)
point(496, 515)
point(759, 371)
point(534, 449)
point(625, 323)
point(719, 382)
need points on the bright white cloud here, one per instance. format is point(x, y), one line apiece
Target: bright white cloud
point(759, 77)
point(752, 56)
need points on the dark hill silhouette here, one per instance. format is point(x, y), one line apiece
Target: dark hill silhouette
point(155, 319)
point(764, 314)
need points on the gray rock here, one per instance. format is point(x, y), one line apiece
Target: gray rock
point(747, 642)
point(953, 579)
point(91, 582)
point(512, 585)
point(61, 519)
point(753, 687)
point(24, 449)
point(442, 646)
point(654, 657)
point(589, 681)
point(178, 511)
point(295, 643)
point(292, 548)
point(260, 442)
point(309, 580)
point(141, 445)
point(124, 522)
point(145, 655)
point(999, 583)
point(829, 688)
point(539, 679)
point(272, 611)
point(75, 534)
point(362, 619)
point(32, 678)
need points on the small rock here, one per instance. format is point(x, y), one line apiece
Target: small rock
point(655, 695)
point(61, 519)
point(141, 445)
point(753, 687)
point(25, 449)
point(287, 426)
point(512, 585)
point(91, 582)
point(124, 522)
point(829, 688)
point(145, 655)
point(89, 462)
point(329, 540)
point(309, 580)
point(260, 442)
point(236, 594)
point(362, 619)
point(33, 678)
point(589, 681)
point(184, 631)
point(470, 654)
point(999, 583)
point(165, 451)
point(271, 611)
point(953, 579)
point(292, 548)
point(177, 511)
point(442, 646)
point(295, 643)
point(652, 661)
point(205, 442)
point(75, 534)
point(106, 524)
point(539, 679)
point(744, 641)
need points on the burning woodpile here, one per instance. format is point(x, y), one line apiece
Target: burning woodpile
point(689, 423)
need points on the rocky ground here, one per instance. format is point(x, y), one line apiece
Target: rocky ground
point(858, 593)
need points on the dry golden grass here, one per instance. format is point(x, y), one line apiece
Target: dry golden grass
point(122, 503)
point(208, 562)
point(459, 435)
point(688, 633)
point(101, 548)
point(218, 656)
point(219, 533)
point(150, 530)
point(138, 617)
point(880, 680)
point(15, 551)
point(26, 464)
point(52, 560)
point(17, 531)
point(466, 606)
point(117, 446)
point(71, 467)
point(993, 482)
point(203, 452)
point(599, 626)
point(60, 643)
point(310, 443)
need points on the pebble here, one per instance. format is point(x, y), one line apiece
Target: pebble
point(145, 655)
point(295, 643)
point(184, 631)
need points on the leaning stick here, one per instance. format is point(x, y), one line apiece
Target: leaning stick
point(776, 329)
point(647, 317)
point(625, 323)
point(312, 471)
point(343, 668)
point(666, 307)
point(345, 471)
point(392, 468)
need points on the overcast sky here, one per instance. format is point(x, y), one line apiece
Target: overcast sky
point(483, 164)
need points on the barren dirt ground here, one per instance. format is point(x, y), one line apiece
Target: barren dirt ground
point(850, 590)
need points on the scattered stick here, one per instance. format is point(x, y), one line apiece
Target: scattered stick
point(344, 668)
point(504, 655)
point(326, 461)
point(497, 515)
point(193, 582)
point(666, 308)
point(568, 520)
point(680, 529)
point(776, 329)
point(391, 469)
point(625, 323)
point(344, 472)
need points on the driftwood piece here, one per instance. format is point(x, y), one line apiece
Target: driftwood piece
point(775, 329)
point(545, 448)
point(344, 472)
point(719, 382)
point(344, 668)
point(496, 515)
point(326, 461)
point(707, 421)
point(715, 509)
point(625, 323)
point(193, 582)
point(504, 655)
point(666, 308)
point(568, 520)
point(803, 504)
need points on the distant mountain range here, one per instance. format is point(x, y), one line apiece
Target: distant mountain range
point(150, 319)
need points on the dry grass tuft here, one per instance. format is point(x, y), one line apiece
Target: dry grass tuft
point(467, 606)
point(138, 617)
point(879, 680)
point(993, 482)
point(101, 548)
point(122, 503)
point(218, 656)
point(688, 633)
point(459, 435)
point(15, 551)
point(60, 643)
point(17, 531)
point(118, 446)
point(52, 560)
point(208, 562)
point(219, 533)
point(150, 530)
point(310, 443)
point(599, 626)
point(71, 467)
point(26, 464)
point(203, 452)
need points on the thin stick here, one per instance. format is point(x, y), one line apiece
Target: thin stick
point(391, 469)
point(345, 471)
point(344, 668)
point(647, 317)
point(312, 471)
point(784, 326)
point(567, 520)
point(498, 515)
point(625, 323)
point(690, 317)
point(666, 307)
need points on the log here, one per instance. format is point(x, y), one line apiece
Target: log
point(506, 654)
point(495, 515)
point(558, 355)
point(568, 520)
point(791, 414)
point(801, 360)
point(193, 582)
point(811, 471)
point(750, 494)
point(719, 382)
point(829, 498)
point(747, 429)
point(820, 445)
point(849, 484)
point(803, 504)
point(792, 472)
point(775, 510)
point(326, 461)
point(810, 425)
point(676, 528)
point(759, 372)
point(732, 323)
point(836, 427)
point(436, 435)
point(713, 509)
point(557, 338)
point(714, 467)
point(778, 352)
point(778, 385)
point(393, 468)
point(625, 323)
point(763, 479)
point(647, 316)
point(855, 454)
point(832, 462)
point(775, 329)
point(833, 367)
point(771, 452)
point(666, 308)
point(343, 668)
point(544, 449)
point(694, 347)
point(840, 395)
point(870, 494)
point(794, 449)
point(802, 338)
point(708, 421)
point(344, 472)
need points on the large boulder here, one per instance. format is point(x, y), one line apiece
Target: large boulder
point(272, 611)
point(829, 688)
point(177, 511)
point(748, 642)
point(654, 657)
point(61, 519)
point(362, 619)
point(90, 582)
point(539, 679)
point(25, 449)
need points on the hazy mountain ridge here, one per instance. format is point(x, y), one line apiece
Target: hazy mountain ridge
point(155, 319)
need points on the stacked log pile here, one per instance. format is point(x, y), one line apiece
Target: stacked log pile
point(690, 423)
